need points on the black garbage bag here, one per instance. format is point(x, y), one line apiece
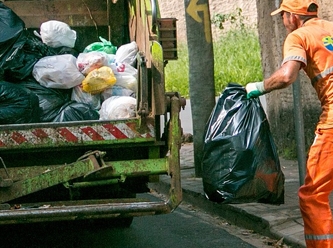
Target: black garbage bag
point(11, 27)
point(76, 111)
point(23, 55)
point(66, 50)
point(240, 162)
point(17, 105)
point(50, 100)
point(19, 49)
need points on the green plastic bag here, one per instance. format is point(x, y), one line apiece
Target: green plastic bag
point(103, 46)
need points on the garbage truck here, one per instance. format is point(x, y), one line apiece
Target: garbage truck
point(97, 169)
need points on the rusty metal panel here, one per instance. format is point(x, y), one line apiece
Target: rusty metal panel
point(129, 168)
point(141, 27)
point(47, 179)
point(158, 78)
point(76, 13)
point(168, 37)
point(118, 15)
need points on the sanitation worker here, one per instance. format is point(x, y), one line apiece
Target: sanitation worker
point(309, 46)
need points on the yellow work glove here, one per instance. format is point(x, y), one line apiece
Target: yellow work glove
point(255, 89)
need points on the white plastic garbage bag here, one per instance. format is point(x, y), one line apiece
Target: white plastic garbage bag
point(127, 53)
point(58, 71)
point(124, 67)
point(127, 81)
point(126, 76)
point(116, 90)
point(86, 62)
point(57, 34)
point(118, 107)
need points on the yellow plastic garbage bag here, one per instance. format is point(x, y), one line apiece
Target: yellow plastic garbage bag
point(98, 80)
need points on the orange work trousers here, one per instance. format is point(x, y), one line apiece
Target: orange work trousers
point(314, 194)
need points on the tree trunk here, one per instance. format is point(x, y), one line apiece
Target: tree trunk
point(280, 102)
point(201, 71)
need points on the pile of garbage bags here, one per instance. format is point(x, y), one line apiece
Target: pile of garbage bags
point(44, 79)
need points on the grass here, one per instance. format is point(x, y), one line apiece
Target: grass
point(236, 59)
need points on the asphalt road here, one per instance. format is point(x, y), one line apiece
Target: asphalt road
point(185, 227)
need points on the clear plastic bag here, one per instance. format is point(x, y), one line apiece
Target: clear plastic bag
point(57, 34)
point(58, 71)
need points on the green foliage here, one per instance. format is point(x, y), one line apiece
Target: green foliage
point(289, 152)
point(236, 59)
point(235, 19)
point(176, 73)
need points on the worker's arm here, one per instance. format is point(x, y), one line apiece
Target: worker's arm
point(282, 78)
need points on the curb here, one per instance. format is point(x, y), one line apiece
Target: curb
point(236, 215)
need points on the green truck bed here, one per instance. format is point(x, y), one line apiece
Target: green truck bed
point(94, 169)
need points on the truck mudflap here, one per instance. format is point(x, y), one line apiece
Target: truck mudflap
point(92, 170)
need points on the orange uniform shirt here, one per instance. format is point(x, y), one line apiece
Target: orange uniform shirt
point(312, 44)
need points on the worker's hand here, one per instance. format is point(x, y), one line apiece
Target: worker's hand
point(255, 89)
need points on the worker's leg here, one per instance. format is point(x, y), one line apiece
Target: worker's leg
point(314, 194)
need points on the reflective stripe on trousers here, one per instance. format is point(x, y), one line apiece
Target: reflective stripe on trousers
point(314, 194)
point(318, 237)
